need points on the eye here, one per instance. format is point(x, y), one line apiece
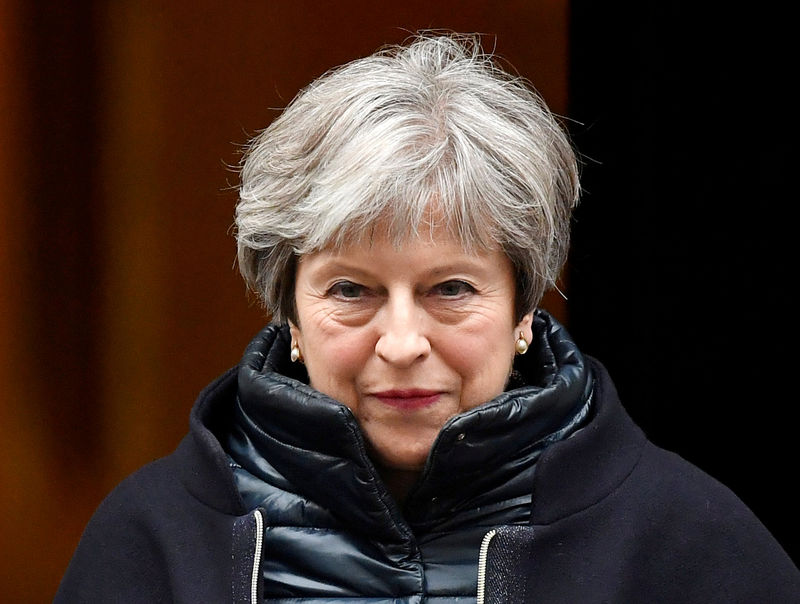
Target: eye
point(347, 290)
point(453, 289)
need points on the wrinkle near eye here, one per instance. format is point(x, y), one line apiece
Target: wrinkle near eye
point(331, 312)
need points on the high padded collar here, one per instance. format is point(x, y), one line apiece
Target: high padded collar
point(317, 444)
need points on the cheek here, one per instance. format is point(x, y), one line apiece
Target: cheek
point(334, 362)
point(483, 361)
point(486, 360)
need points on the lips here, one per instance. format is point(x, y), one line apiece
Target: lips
point(408, 399)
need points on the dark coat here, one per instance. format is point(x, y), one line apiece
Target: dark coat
point(614, 519)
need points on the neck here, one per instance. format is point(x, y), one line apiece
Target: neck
point(399, 482)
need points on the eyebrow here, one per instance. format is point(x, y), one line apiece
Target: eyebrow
point(465, 265)
point(456, 267)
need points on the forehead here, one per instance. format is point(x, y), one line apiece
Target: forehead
point(430, 251)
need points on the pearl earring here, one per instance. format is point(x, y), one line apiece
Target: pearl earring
point(521, 345)
point(295, 353)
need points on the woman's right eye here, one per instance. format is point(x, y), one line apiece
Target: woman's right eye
point(347, 290)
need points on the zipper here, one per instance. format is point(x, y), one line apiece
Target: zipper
point(257, 556)
point(483, 554)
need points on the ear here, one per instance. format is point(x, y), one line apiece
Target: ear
point(525, 326)
point(297, 336)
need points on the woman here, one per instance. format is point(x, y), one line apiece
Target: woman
point(410, 427)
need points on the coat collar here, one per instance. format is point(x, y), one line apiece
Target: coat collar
point(481, 457)
point(576, 473)
point(571, 474)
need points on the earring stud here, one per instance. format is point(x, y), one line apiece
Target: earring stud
point(521, 345)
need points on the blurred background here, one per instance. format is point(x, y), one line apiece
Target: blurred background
point(121, 124)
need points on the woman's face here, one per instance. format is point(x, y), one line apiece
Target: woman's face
point(407, 337)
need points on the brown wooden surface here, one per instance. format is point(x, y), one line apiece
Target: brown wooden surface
point(119, 298)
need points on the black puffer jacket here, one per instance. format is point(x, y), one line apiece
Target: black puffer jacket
point(333, 530)
point(608, 516)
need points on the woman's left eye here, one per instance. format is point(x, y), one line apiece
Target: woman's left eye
point(453, 289)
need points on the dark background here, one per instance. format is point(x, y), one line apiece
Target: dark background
point(120, 300)
point(684, 246)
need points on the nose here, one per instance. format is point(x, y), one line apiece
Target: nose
point(402, 339)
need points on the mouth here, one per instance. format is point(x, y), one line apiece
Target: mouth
point(408, 399)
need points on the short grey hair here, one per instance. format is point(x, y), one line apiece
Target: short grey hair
point(431, 123)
